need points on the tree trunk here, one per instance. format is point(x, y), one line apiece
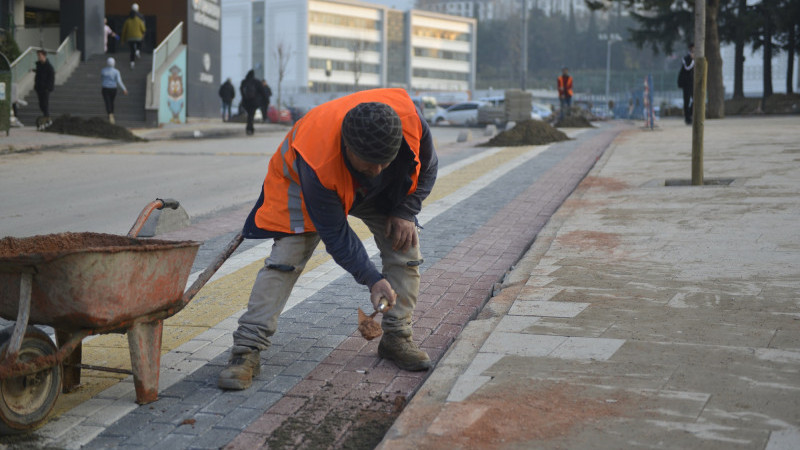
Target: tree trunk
point(790, 48)
point(767, 61)
point(716, 89)
point(738, 60)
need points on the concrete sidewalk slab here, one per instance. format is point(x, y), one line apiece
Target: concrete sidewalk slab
point(673, 311)
point(29, 139)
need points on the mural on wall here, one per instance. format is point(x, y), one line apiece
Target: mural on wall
point(173, 92)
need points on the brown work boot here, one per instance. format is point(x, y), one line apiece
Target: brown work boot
point(398, 346)
point(242, 367)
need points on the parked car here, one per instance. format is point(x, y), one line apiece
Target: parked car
point(540, 111)
point(427, 105)
point(464, 113)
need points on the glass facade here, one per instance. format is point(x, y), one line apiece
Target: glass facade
point(396, 60)
point(343, 21)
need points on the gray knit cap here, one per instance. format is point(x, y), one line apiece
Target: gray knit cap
point(373, 132)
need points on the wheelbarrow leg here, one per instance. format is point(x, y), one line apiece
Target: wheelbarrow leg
point(71, 371)
point(144, 341)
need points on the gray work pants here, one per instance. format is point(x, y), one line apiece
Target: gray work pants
point(274, 283)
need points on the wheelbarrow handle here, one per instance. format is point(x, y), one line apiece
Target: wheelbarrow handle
point(145, 214)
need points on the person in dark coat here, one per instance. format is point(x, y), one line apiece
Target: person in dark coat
point(227, 93)
point(686, 82)
point(43, 84)
point(266, 93)
point(252, 92)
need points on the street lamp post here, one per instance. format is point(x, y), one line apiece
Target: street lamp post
point(609, 38)
point(524, 46)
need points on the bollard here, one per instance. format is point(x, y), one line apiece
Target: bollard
point(490, 130)
point(464, 136)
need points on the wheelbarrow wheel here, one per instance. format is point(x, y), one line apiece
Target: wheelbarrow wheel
point(25, 401)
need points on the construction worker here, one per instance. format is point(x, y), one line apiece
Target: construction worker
point(369, 155)
point(565, 91)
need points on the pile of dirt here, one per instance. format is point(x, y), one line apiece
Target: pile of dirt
point(742, 106)
point(782, 104)
point(527, 132)
point(92, 127)
point(59, 243)
point(774, 104)
point(367, 326)
point(574, 122)
point(670, 111)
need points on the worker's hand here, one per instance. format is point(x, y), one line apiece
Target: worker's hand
point(382, 289)
point(125, 92)
point(403, 233)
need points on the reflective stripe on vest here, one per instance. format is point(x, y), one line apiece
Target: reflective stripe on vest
point(319, 143)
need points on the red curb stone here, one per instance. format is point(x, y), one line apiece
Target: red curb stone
point(437, 341)
point(426, 322)
point(347, 378)
point(339, 356)
point(324, 371)
point(402, 385)
point(288, 405)
point(443, 282)
point(266, 424)
point(380, 375)
point(449, 330)
point(364, 362)
point(353, 343)
point(306, 388)
point(366, 391)
point(247, 441)
point(458, 318)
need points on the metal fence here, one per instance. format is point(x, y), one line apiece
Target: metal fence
point(165, 48)
point(27, 60)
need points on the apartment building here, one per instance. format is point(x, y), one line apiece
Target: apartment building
point(334, 46)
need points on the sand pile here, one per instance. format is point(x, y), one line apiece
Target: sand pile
point(528, 132)
point(92, 127)
point(574, 122)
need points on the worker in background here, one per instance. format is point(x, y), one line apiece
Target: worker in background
point(565, 91)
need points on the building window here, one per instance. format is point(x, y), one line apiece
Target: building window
point(441, 74)
point(343, 66)
point(440, 54)
point(445, 35)
point(343, 21)
point(325, 41)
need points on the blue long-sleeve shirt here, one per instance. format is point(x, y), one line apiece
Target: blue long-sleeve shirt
point(386, 193)
point(110, 78)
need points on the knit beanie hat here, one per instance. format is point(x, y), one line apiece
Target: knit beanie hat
point(373, 132)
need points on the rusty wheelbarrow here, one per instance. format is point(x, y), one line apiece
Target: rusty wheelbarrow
point(83, 284)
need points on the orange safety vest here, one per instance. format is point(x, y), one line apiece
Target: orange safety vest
point(317, 138)
point(564, 89)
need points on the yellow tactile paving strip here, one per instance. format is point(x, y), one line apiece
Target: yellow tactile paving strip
point(228, 295)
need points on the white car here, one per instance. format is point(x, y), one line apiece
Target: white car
point(464, 113)
point(540, 111)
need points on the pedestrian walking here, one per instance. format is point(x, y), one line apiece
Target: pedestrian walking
point(133, 33)
point(686, 83)
point(43, 83)
point(107, 32)
point(369, 155)
point(266, 93)
point(111, 78)
point(565, 91)
point(252, 92)
point(227, 93)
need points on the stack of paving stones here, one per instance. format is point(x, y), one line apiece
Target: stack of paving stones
point(518, 105)
point(321, 384)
